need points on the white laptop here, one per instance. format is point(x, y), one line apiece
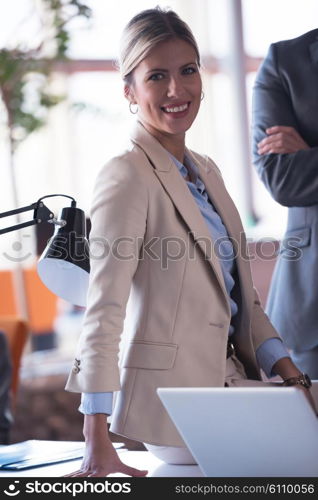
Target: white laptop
point(251, 432)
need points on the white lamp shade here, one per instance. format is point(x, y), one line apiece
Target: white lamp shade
point(65, 279)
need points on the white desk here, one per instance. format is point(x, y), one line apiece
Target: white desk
point(140, 459)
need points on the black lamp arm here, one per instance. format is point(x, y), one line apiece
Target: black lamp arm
point(41, 213)
point(19, 210)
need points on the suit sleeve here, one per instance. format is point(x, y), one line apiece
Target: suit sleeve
point(292, 179)
point(118, 217)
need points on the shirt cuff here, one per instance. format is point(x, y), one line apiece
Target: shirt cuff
point(268, 353)
point(96, 402)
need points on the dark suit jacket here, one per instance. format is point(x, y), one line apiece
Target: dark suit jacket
point(286, 93)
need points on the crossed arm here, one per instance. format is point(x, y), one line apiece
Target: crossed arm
point(281, 140)
point(285, 161)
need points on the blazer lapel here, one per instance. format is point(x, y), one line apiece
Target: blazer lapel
point(230, 216)
point(177, 189)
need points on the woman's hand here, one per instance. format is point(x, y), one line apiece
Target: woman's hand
point(281, 140)
point(286, 369)
point(308, 396)
point(101, 458)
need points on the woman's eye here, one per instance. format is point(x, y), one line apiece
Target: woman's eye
point(189, 71)
point(156, 76)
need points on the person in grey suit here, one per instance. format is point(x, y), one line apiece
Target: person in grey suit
point(5, 382)
point(285, 154)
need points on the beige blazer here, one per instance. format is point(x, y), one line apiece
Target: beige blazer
point(151, 245)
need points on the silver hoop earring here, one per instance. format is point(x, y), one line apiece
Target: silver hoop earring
point(131, 110)
point(202, 95)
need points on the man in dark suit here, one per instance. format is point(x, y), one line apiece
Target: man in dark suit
point(285, 154)
point(5, 383)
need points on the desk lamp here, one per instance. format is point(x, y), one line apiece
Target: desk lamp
point(64, 265)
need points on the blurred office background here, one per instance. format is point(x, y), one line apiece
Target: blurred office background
point(92, 123)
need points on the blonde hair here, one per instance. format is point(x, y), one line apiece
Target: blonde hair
point(144, 31)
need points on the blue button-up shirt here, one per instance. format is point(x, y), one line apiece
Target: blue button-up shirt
point(270, 351)
point(222, 244)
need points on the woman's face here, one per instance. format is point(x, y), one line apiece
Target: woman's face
point(167, 88)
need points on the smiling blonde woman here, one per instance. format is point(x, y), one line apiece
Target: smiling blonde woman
point(175, 248)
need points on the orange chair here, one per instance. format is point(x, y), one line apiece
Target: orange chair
point(42, 303)
point(17, 333)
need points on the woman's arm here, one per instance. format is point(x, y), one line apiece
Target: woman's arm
point(118, 216)
point(262, 330)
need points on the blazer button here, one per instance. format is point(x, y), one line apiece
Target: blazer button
point(76, 367)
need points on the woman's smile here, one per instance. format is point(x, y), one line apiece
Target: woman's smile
point(176, 110)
